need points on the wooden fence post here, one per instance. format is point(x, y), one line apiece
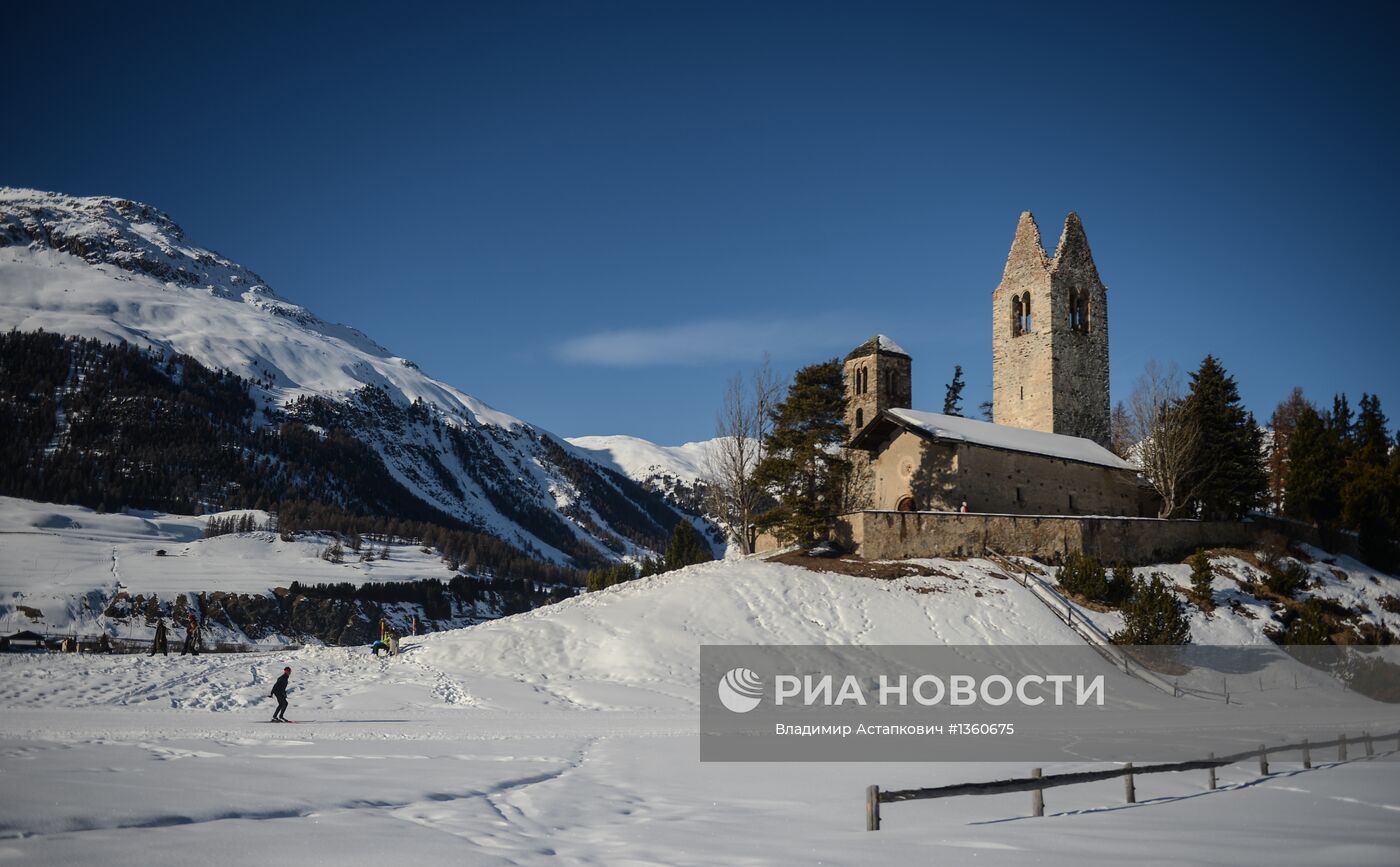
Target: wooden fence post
point(1342, 748)
point(872, 808)
point(1263, 761)
point(1307, 755)
point(1366, 738)
point(1129, 791)
point(1211, 776)
point(1037, 796)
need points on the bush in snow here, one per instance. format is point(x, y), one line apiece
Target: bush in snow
point(1153, 615)
point(1084, 576)
point(1201, 578)
point(1286, 579)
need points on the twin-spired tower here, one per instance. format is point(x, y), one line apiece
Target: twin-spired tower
point(1049, 345)
point(1050, 336)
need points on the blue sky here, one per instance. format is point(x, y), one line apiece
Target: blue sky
point(590, 215)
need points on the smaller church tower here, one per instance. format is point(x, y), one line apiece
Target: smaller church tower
point(878, 376)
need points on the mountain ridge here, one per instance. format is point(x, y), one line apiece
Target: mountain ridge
point(120, 271)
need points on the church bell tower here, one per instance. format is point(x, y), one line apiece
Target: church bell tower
point(1050, 336)
point(878, 376)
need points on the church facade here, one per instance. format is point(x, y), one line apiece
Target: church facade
point(1045, 452)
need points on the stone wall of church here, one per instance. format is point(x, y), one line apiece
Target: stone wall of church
point(938, 476)
point(903, 535)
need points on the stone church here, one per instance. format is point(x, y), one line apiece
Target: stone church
point(1046, 452)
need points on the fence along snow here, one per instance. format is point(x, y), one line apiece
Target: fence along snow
point(1036, 783)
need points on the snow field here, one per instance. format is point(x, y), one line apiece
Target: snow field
point(569, 735)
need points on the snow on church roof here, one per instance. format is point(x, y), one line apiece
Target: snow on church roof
point(983, 433)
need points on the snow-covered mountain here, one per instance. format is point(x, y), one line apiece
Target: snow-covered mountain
point(675, 472)
point(641, 459)
point(116, 270)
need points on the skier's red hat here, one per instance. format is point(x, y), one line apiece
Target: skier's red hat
point(288, 668)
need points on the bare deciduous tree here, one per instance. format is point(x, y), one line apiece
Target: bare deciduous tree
point(742, 426)
point(1167, 441)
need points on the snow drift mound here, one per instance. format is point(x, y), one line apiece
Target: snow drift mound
point(636, 645)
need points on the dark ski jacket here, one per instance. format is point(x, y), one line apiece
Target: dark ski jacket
point(280, 687)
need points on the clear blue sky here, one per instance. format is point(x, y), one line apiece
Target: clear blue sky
point(591, 214)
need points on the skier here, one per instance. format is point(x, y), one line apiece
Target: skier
point(191, 636)
point(279, 689)
point(377, 646)
point(161, 644)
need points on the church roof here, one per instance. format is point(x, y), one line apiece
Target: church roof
point(951, 428)
point(879, 343)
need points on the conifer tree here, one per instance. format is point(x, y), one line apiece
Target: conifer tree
point(1371, 506)
point(1341, 420)
point(686, 547)
point(804, 466)
point(1370, 434)
point(952, 398)
point(1202, 577)
point(1153, 615)
point(1229, 461)
point(1313, 489)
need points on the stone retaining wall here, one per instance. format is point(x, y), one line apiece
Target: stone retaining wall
point(902, 535)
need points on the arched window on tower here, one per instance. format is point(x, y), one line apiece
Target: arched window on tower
point(1026, 308)
point(1017, 318)
point(860, 419)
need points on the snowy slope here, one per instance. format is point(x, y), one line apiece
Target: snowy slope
point(61, 567)
point(117, 270)
point(568, 735)
point(1242, 618)
point(641, 459)
point(677, 473)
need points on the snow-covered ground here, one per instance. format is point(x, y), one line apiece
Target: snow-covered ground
point(1240, 617)
point(67, 563)
point(569, 735)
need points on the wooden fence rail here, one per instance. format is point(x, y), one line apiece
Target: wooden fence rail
point(1036, 784)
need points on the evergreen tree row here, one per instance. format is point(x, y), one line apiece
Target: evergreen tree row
point(1340, 470)
point(686, 548)
point(244, 523)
